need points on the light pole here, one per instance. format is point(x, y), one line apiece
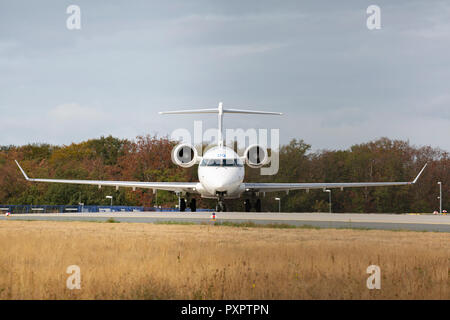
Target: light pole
point(440, 197)
point(81, 204)
point(110, 197)
point(279, 204)
point(329, 197)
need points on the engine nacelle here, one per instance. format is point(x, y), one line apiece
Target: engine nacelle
point(184, 155)
point(256, 156)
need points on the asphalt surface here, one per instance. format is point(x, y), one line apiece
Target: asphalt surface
point(411, 222)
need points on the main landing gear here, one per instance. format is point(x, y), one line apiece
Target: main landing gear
point(182, 205)
point(248, 205)
point(192, 205)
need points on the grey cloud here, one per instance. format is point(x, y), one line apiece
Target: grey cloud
point(336, 81)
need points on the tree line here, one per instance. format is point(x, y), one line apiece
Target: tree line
point(148, 158)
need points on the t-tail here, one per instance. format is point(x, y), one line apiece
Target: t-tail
point(221, 111)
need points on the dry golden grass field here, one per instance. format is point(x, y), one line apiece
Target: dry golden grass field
point(162, 261)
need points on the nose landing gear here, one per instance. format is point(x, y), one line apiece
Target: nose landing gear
point(220, 207)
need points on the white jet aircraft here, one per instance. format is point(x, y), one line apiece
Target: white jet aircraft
point(221, 171)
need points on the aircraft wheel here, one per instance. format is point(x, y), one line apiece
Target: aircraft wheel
point(247, 205)
point(182, 205)
point(193, 205)
point(258, 205)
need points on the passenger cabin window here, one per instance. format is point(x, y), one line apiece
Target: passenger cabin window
point(222, 163)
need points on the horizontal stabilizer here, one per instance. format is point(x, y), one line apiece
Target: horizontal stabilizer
point(251, 112)
point(221, 110)
point(191, 111)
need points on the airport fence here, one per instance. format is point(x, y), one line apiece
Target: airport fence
point(82, 208)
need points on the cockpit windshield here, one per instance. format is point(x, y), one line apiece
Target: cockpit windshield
point(222, 163)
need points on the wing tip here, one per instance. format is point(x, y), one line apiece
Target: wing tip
point(23, 172)
point(420, 173)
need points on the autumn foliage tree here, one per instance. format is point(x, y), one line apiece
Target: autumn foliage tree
point(148, 158)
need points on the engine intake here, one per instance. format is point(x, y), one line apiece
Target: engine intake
point(184, 155)
point(256, 156)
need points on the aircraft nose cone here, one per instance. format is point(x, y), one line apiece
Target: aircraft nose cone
point(221, 184)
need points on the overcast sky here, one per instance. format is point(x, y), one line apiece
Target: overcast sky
point(337, 82)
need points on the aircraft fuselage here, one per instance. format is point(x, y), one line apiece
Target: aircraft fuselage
point(221, 171)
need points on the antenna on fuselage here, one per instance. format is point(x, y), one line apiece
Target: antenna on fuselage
point(221, 111)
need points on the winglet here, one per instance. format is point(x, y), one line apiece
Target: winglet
point(415, 180)
point(23, 172)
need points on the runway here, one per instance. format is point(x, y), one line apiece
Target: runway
point(437, 223)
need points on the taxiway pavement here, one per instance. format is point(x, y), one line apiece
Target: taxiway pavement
point(411, 222)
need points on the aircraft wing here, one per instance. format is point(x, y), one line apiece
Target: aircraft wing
point(274, 187)
point(168, 186)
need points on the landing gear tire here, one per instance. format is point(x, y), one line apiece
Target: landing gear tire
point(247, 205)
point(193, 205)
point(258, 205)
point(182, 205)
